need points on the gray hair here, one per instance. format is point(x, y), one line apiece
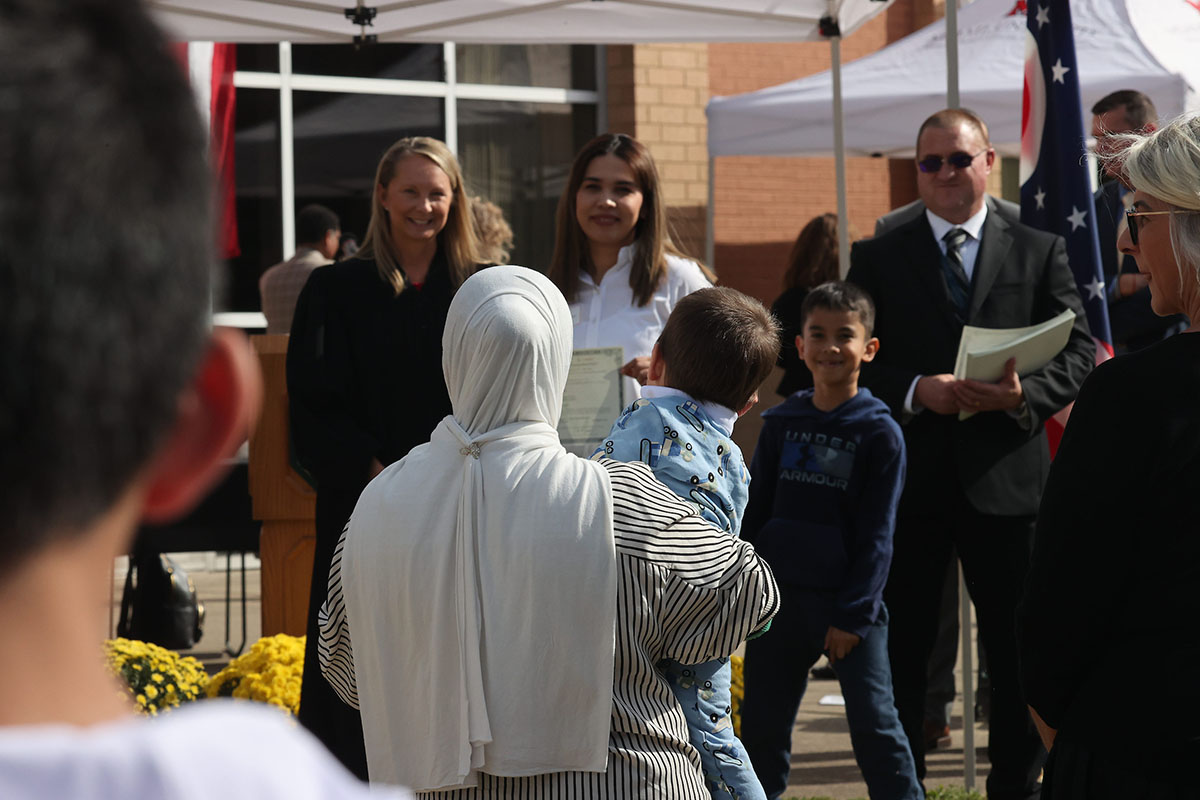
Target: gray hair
point(1166, 164)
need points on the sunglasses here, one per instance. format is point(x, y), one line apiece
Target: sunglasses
point(1131, 216)
point(957, 160)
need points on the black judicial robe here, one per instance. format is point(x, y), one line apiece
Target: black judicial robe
point(364, 377)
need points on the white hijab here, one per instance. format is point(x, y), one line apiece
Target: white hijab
point(479, 571)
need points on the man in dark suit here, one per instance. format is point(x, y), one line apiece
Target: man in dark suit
point(1134, 324)
point(972, 485)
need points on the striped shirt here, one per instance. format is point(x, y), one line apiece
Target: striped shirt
point(686, 591)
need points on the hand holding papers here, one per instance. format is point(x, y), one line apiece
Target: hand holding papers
point(983, 352)
point(592, 399)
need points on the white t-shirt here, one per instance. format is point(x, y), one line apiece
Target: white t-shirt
point(606, 315)
point(223, 749)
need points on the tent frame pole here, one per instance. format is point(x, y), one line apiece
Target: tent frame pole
point(839, 148)
point(968, 656)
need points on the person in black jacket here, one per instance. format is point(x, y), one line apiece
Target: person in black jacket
point(813, 261)
point(825, 481)
point(1134, 324)
point(364, 368)
point(972, 485)
point(1116, 574)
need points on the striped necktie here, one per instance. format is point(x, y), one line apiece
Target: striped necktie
point(956, 275)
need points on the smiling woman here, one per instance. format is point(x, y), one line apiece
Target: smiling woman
point(364, 369)
point(613, 256)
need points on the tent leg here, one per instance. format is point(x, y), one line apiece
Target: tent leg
point(839, 148)
point(952, 98)
point(710, 246)
point(968, 681)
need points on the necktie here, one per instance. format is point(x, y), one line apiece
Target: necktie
point(956, 275)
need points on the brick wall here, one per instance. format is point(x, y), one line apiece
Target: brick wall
point(657, 94)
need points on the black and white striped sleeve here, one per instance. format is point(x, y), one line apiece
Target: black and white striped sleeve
point(334, 649)
point(717, 589)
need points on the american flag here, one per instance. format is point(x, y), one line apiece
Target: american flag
point(1056, 191)
point(210, 70)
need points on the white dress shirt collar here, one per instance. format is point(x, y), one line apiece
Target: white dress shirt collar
point(970, 247)
point(725, 417)
point(973, 226)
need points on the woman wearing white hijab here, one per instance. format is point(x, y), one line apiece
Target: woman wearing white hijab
point(497, 606)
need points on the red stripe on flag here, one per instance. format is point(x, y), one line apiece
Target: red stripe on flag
point(221, 141)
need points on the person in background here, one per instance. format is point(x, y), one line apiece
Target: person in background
point(347, 247)
point(613, 259)
point(1114, 575)
point(118, 403)
point(497, 605)
point(364, 367)
point(827, 474)
point(717, 348)
point(972, 486)
point(492, 230)
point(1134, 323)
point(813, 261)
point(317, 232)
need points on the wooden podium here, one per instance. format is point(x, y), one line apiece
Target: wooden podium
point(282, 500)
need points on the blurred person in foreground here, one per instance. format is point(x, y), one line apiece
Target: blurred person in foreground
point(1111, 575)
point(117, 404)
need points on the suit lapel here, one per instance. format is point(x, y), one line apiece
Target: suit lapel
point(994, 245)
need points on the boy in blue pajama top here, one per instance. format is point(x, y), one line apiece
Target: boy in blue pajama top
point(716, 349)
point(828, 471)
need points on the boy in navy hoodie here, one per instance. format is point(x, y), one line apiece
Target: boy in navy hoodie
point(827, 474)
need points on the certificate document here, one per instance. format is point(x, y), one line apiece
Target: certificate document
point(592, 400)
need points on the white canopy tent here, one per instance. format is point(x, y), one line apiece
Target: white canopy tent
point(1120, 44)
point(516, 21)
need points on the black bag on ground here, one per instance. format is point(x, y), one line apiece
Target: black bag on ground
point(161, 605)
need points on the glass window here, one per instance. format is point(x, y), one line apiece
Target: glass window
point(256, 166)
point(258, 57)
point(339, 139)
point(518, 155)
point(558, 66)
point(412, 62)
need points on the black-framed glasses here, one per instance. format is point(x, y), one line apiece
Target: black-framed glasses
point(957, 160)
point(1131, 216)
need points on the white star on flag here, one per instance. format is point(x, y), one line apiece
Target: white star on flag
point(1076, 218)
point(1059, 71)
point(1095, 289)
point(1040, 197)
point(1043, 17)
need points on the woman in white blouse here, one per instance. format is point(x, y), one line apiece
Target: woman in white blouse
point(614, 260)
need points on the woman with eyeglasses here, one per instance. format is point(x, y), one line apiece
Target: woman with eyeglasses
point(1116, 559)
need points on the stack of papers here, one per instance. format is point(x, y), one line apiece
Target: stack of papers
point(983, 352)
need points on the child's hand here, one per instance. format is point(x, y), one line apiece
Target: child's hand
point(839, 643)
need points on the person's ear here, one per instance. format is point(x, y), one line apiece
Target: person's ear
point(215, 415)
point(870, 349)
point(800, 345)
point(749, 405)
point(658, 367)
point(381, 193)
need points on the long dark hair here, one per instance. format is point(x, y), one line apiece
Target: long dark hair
point(653, 237)
point(814, 256)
